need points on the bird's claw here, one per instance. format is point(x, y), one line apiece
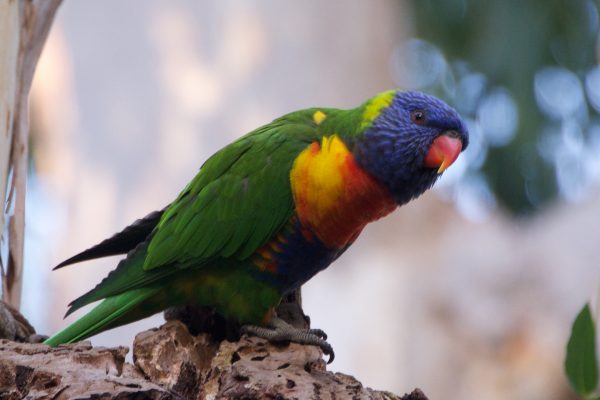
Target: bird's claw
point(318, 332)
point(328, 350)
point(280, 331)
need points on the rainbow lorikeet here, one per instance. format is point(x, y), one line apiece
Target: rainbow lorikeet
point(270, 210)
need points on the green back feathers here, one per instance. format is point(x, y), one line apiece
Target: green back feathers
point(238, 200)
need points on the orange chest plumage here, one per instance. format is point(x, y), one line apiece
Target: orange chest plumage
point(334, 197)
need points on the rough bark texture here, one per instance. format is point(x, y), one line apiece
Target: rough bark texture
point(36, 371)
point(14, 326)
point(170, 363)
point(250, 368)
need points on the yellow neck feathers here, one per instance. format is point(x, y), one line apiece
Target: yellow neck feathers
point(334, 197)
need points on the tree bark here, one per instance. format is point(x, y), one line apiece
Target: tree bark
point(170, 363)
point(24, 26)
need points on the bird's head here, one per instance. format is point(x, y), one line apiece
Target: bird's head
point(407, 141)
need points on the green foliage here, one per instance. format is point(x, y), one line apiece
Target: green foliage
point(581, 364)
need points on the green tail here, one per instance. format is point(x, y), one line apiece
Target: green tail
point(112, 312)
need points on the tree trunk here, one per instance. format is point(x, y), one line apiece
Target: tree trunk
point(170, 363)
point(24, 25)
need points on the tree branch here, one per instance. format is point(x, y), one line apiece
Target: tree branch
point(25, 26)
point(170, 363)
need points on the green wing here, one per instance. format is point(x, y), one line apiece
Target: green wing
point(240, 197)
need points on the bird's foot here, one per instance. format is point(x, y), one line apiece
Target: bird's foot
point(280, 331)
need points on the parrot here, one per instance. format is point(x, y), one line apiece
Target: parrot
point(267, 212)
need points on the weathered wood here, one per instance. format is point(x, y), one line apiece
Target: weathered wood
point(36, 371)
point(24, 26)
point(251, 368)
point(170, 363)
point(9, 49)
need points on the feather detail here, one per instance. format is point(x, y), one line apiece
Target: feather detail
point(119, 243)
point(334, 197)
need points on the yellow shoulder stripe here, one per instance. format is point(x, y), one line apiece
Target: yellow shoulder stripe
point(373, 109)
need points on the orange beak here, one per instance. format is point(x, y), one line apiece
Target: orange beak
point(443, 152)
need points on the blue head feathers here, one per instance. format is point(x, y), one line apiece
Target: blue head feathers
point(394, 147)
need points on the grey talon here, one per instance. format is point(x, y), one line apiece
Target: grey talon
point(280, 331)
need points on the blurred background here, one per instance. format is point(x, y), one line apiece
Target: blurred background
point(467, 293)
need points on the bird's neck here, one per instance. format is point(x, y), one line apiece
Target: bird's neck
point(334, 197)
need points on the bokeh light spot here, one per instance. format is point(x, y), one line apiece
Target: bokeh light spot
point(558, 92)
point(469, 92)
point(592, 87)
point(417, 64)
point(498, 117)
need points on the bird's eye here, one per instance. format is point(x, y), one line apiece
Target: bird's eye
point(418, 117)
